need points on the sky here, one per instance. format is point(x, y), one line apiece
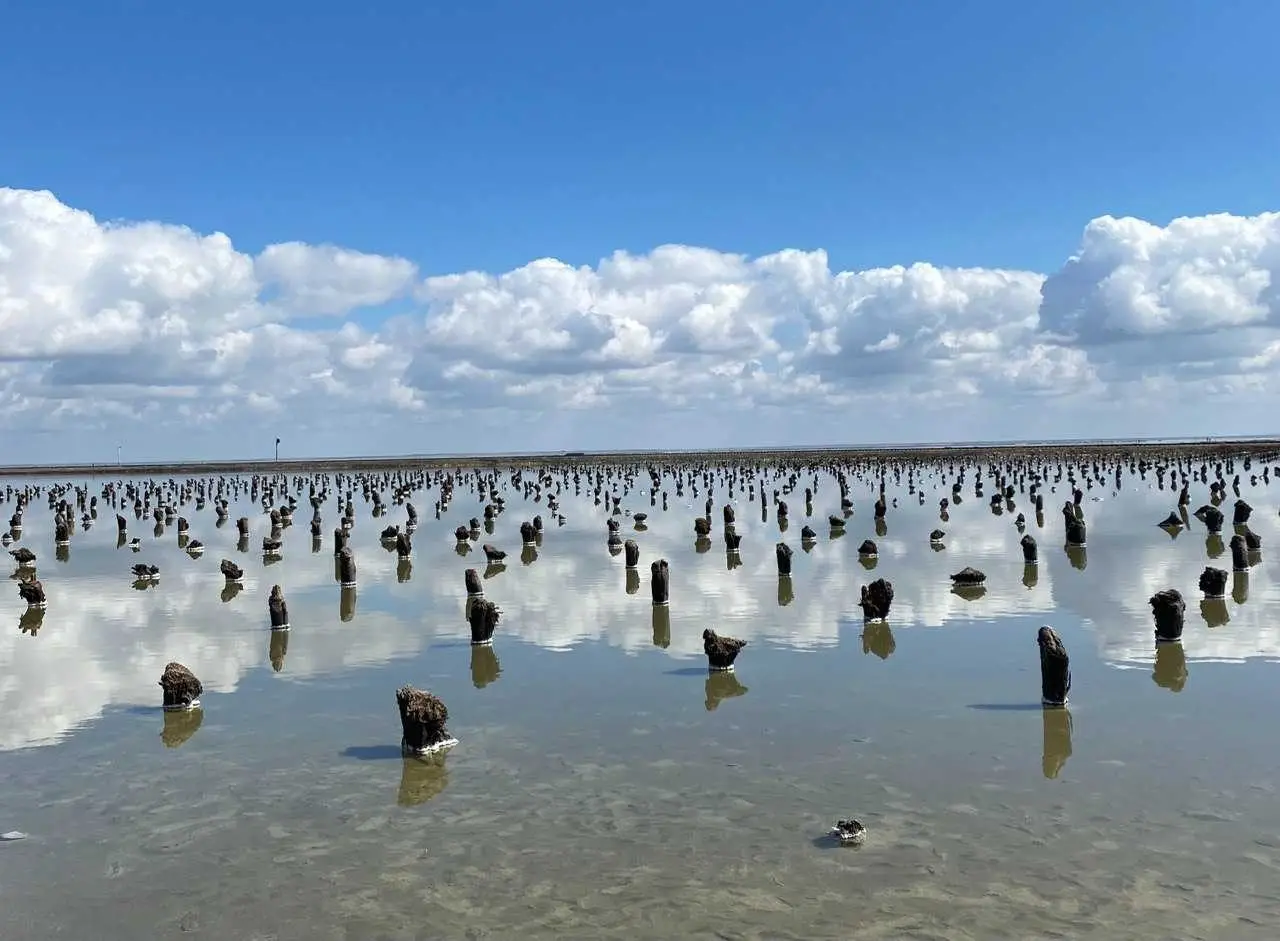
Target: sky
point(504, 226)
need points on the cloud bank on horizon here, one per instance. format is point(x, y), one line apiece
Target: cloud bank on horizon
point(181, 346)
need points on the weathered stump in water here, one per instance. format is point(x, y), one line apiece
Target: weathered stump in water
point(1239, 554)
point(1055, 668)
point(278, 608)
point(422, 721)
point(1212, 518)
point(242, 527)
point(876, 600)
point(1074, 525)
point(1213, 582)
point(346, 567)
point(732, 538)
point(1240, 513)
point(720, 651)
point(483, 618)
point(783, 553)
point(528, 533)
point(631, 553)
point(340, 537)
point(31, 590)
point(180, 686)
point(1169, 611)
point(1252, 541)
point(1030, 551)
point(868, 548)
point(404, 546)
point(660, 581)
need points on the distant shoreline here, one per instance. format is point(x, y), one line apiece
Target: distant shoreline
point(1208, 447)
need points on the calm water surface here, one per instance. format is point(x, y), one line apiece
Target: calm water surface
point(605, 786)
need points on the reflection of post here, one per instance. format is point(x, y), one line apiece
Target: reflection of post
point(347, 603)
point(1170, 669)
point(1057, 739)
point(786, 591)
point(661, 626)
point(877, 638)
point(421, 779)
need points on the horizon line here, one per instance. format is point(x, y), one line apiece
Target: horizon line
point(248, 465)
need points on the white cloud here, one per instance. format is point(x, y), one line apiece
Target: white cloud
point(144, 332)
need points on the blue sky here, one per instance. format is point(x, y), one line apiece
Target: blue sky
point(481, 136)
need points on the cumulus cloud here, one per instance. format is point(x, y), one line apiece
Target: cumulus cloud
point(147, 331)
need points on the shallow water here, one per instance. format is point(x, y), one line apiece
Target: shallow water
point(608, 787)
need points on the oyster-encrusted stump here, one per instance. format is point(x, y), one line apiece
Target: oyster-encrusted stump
point(483, 618)
point(278, 608)
point(1169, 611)
point(1213, 582)
point(181, 688)
point(660, 581)
point(876, 599)
point(422, 720)
point(1055, 668)
point(720, 651)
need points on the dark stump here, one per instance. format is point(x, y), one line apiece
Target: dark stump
point(720, 651)
point(422, 718)
point(1213, 582)
point(1030, 551)
point(1169, 611)
point(483, 618)
point(278, 609)
point(660, 581)
point(180, 686)
point(1239, 554)
point(347, 566)
point(783, 553)
point(876, 600)
point(1240, 513)
point(1055, 668)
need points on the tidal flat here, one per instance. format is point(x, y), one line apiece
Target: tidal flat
point(606, 784)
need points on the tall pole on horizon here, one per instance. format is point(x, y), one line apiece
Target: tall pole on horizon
point(119, 459)
point(277, 450)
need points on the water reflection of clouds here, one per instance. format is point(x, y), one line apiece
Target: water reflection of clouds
point(575, 590)
point(102, 643)
point(1130, 559)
